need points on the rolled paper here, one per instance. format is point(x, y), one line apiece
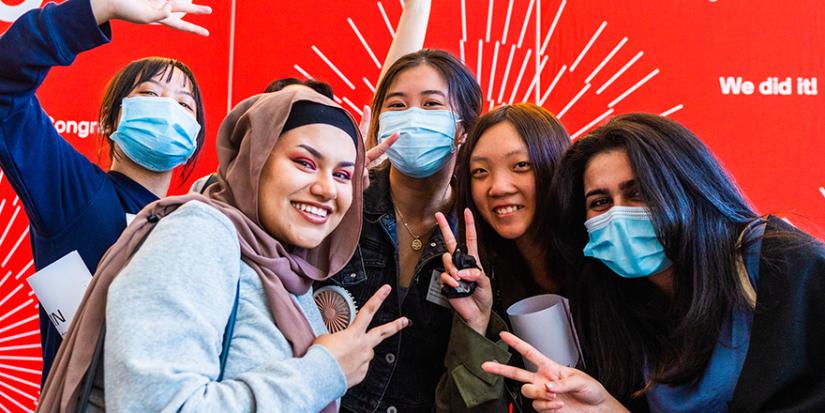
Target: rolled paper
point(544, 322)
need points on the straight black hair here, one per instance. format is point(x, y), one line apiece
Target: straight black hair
point(127, 79)
point(698, 213)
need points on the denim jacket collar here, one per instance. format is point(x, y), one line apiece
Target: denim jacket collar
point(378, 203)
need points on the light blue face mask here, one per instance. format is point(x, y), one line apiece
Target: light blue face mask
point(624, 239)
point(427, 139)
point(156, 132)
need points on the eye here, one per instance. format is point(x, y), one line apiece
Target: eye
point(478, 173)
point(522, 166)
point(187, 106)
point(342, 175)
point(433, 103)
point(395, 105)
point(305, 163)
point(600, 204)
point(147, 93)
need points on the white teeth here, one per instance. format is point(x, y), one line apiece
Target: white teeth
point(321, 212)
point(507, 209)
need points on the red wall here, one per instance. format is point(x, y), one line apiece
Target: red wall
point(771, 143)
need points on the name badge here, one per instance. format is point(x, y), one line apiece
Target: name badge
point(60, 287)
point(434, 291)
point(129, 218)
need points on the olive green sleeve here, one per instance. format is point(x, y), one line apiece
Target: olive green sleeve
point(465, 387)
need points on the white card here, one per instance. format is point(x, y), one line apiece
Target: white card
point(129, 218)
point(60, 287)
point(434, 291)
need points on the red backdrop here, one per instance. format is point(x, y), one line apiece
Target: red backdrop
point(690, 60)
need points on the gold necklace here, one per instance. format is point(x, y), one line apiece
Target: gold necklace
point(416, 243)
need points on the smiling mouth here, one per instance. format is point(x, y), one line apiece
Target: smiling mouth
point(506, 209)
point(311, 209)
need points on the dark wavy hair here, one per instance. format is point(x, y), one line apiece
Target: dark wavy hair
point(546, 140)
point(127, 79)
point(462, 87)
point(698, 213)
point(320, 87)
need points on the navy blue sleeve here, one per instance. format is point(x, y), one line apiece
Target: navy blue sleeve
point(52, 179)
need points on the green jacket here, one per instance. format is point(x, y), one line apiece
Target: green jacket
point(465, 387)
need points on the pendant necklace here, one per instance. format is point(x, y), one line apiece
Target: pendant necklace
point(416, 243)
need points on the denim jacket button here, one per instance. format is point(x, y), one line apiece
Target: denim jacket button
point(390, 358)
point(353, 275)
point(432, 244)
point(392, 409)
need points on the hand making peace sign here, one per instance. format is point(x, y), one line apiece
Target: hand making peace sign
point(353, 346)
point(379, 150)
point(554, 387)
point(474, 309)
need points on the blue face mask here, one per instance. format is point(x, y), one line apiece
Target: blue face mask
point(156, 132)
point(624, 239)
point(426, 141)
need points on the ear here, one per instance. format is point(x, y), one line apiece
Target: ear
point(460, 135)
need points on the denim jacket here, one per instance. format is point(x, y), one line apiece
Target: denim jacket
point(407, 366)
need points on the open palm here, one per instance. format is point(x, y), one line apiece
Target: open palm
point(166, 12)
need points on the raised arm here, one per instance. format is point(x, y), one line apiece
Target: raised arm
point(410, 33)
point(53, 180)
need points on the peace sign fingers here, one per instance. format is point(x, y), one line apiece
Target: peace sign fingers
point(446, 232)
point(365, 314)
point(470, 234)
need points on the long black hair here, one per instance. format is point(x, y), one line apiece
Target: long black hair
point(698, 213)
point(546, 140)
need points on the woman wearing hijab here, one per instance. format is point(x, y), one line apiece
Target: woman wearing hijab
point(285, 212)
point(72, 204)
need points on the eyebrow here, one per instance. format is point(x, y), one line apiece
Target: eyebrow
point(597, 191)
point(506, 155)
point(425, 92)
point(312, 151)
point(601, 191)
point(321, 157)
point(179, 91)
point(627, 184)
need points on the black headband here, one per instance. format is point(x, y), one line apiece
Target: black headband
point(304, 112)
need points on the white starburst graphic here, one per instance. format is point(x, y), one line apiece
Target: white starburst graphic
point(512, 63)
point(20, 355)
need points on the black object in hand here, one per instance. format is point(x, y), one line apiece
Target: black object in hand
point(462, 261)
